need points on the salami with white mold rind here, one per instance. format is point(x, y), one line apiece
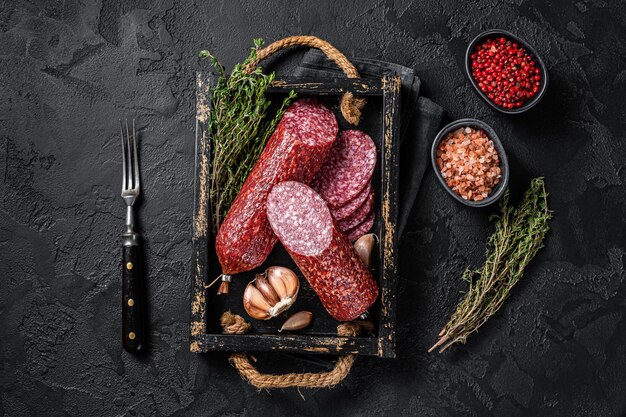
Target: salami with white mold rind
point(303, 223)
point(295, 151)
point(347, 169)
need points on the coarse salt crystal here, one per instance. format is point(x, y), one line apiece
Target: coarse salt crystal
point(469, 163)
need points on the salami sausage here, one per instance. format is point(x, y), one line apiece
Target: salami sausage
point(359, 215)
point(348, 168)
point(362, 228)
point(295, 151)
point(303, 223)
point(346, 210)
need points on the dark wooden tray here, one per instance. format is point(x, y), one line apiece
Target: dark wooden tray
point(381, 121)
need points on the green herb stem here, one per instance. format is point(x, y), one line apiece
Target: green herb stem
point(518, 236)
point(238, 127)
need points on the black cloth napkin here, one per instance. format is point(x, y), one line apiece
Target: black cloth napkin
point(420, 121)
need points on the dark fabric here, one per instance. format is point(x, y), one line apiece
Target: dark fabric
point(421, 118)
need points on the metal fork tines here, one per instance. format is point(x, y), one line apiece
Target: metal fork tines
point(130, 179)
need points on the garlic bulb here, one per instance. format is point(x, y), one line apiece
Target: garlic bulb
point(271, 293)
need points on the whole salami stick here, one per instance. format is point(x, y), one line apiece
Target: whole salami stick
point(303, 223)
point(295, 151)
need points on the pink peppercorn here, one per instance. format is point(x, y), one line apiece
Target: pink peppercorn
point(505, 72)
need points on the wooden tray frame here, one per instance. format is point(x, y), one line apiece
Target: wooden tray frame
point(383, 345)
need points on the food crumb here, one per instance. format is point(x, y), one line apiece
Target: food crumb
point(469, 163)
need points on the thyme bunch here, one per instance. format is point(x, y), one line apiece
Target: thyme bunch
point(518, 236)
point(238, 128)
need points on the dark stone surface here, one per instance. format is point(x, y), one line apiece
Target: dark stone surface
point(69, 70)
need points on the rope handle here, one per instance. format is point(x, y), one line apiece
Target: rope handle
point(235, 324)
point(350, 106)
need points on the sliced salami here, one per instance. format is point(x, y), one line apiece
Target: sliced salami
point(362, 228)
point(303, 223)
point(347, 169)
point(295, 151)
point(346, 210)
point(359, 215)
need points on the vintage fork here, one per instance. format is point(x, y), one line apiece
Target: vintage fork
point(132, 297)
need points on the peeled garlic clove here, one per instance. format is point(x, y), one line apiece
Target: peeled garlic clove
point(271, 293)
point(364, 247)
point(298, 321)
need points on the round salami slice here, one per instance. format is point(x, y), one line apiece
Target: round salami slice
point(362, 228)
point(348, 209)
point(359, 215)
point(301, 220)
point(347, 169)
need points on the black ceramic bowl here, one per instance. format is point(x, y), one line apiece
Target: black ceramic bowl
point(499, 189)
point(495, 33)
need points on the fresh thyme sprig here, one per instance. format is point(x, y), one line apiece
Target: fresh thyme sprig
point(238, 128)
point(518, 236)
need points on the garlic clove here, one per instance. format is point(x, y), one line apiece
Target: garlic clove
point(298, 321)
point(255, 304)
point(364, 247)
point(257, 313)
point(263, 285)
point(284, 281)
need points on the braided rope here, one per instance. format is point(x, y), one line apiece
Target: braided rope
point(235, 324)
point(350, 106)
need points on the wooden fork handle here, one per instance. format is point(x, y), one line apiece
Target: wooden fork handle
point(132, 300)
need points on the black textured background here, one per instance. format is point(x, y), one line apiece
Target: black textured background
point(69, 70)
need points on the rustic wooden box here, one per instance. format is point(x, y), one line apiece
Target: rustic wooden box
point(381, 121)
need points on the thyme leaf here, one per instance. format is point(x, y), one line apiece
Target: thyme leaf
point(518, 236)
point(238, 127)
